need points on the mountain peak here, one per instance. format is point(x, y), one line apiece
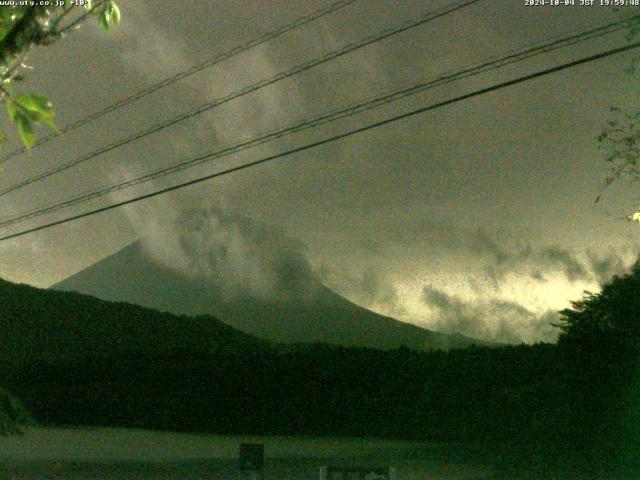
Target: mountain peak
point(132, 275)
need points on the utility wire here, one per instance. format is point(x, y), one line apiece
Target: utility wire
point(425, 18)
point(490, 64)
point(299, 22)
point(331, 139)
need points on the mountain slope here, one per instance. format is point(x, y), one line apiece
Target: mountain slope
point(324, 316)
point(42, 325)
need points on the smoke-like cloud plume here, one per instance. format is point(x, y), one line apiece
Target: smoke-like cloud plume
point(239, 256)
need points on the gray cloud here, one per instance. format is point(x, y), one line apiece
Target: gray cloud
point(562, 258)
point(376, 290)
point(540, 261)
point(370, 288)
point(535, 262)
point(492, 318)
point(608, 265)
point(479, 242)
point(494, 255)
point(238, 255)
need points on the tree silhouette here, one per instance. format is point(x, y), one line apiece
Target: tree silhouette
point(611, 317)
point(601, 344)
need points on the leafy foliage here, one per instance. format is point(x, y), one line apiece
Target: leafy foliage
point(619, 142)
point(110, 15)
point(620, 145)
point(25, 109)
point(23, 27)
point(613, 314)
point(601, 342)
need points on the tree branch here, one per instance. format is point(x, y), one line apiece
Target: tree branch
point(81, 18)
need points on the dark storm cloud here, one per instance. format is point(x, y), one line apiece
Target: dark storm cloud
point(494, 319)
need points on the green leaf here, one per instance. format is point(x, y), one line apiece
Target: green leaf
point(30, 114)
point(49, 120)
point(109, 15)
point(24, 109)
point(12, 110)
point(37, 109)
point(9, 17)
point(105, 19)
point(34, 103)
point(115, 13)
point(25, 128)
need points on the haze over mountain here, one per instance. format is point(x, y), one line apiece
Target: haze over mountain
point(302, 311)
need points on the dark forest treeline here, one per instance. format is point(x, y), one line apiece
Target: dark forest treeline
point(314, 389)
point(571, 407)
point(519, 403)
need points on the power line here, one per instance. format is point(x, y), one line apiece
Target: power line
point(425, 18)
point(299, 22)
point(331, 139)
point(483, 67)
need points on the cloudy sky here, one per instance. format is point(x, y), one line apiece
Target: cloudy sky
point(476, 218)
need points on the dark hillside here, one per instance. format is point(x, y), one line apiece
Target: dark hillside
point(41, 325)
